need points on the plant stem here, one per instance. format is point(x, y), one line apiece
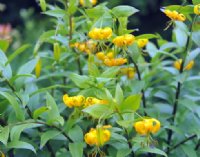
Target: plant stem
point(182, 142)
point(140, 79)
point(197, 146)
point(179, 85)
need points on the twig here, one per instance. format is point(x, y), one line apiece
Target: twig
point(140, 79)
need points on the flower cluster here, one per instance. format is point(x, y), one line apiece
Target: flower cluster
point(81, 101)
point(197, 9)
point(128, 71)
point(93, 2)
point(109, 60)
point(87, 47)
point(174, 15)
point(146, 126)
point(177, 65)
point(142, 42)
point(124, 40)
point(100, 33)
point(98, 136)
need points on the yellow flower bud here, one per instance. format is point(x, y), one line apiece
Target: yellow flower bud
point(38, 68)
point(93, 2)
point(110, 55)
point(106, 32)
point(197, 9)
point(142, 42)
point(56, 50)
point(108, 62)
point(100, 56)
point(189, 65)
point(125, 40)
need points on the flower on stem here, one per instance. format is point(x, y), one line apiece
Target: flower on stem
point(124, 40)
point(147, 126)
point(100, 33)
point(38, 68)
point(115, 61)
point(197, 9)
point(174, 15)
point(98, 136)
point(142, 42)
point(129, 72)
point(87, 47)
point(177, 64)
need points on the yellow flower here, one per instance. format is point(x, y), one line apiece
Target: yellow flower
point(147, 126)
point(92, 101)
point(142, 42)
point(100, 33)
point(197, 9)
point(98, 136)
point(174, 15)
point(124, 40)
point(75, 101)
point(110, 55)
point(177, 65)
point(115, 61)
point(93, 2)
point(38, 68)
point(101, 56)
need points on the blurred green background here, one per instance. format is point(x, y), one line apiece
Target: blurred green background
point(26, 17)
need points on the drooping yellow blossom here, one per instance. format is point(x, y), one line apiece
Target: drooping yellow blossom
point(87, 47)
point(174, 15)
point(142, 42)
point(147, 126)
point(115, 61)
point(100, 33)
point(101, 56)
point(81, 101)
point(129, 72)
point(91, 101)
point(38, 68)
point(93, 2)
point(98, 136)
point(177, 65)
point(124, 40)
point(197, 9)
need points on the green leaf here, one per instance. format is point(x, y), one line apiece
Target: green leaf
point(131, 103)
point(96, 12)
point(4, 134)
point(181, 37)
point(98, 111)
point(43, 5)
point(4, 70)
point(146, 36)
point(53, 113)
point(189, 150)
point(188, 9)
point(72, 6)
point(17, 130)
point(125, 123)
point(124, 11)
point(192, 55)
point(21, 145)
point(195, 2)
point(119, 96)
point(110, 72)
point(40, 111)
point(45, 137)
point(76, 134)
point(151, 150)
point(80, 81)
point(4, 44)
point(58, 13)
point(17, 53)
point(76, 149)
point(92, 68)
point(17, 108)
point(123, 152)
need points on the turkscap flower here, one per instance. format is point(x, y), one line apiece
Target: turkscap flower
point(100, 33)
point(197, 9)
point(177, 64)
point(124, 40)
point(174, 15)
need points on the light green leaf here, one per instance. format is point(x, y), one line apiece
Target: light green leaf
point(12, 100)
point(80, 81)
point(73, 5)
point(131, 103)
point(146, 36)
point(189, 150)
point(96, 12)
point(45, 137)
point(53, 113)
point(6, 71)
point(4, 44)
point(40, 111)
point(119, 96)
point(43, 5)
point(17, 130)
point(123, 152)
point(98, 111)
point(76, 149)
point(195, 2)
point(151, 150)
point(21, 145)
point(58, 13)
point(76, 134)
point(4, 134)
point(110, 72)
point(92, 67)
point(124, 11)
point(17, 53)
